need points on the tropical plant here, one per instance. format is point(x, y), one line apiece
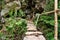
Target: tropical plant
point(45, 24)
point(59, 4)
point(15, 28)
point(49, 5)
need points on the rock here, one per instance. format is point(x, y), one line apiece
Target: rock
point(30, 38)
point(33, 34)
point(40, 37)
point(8, 6)
point(4, 11)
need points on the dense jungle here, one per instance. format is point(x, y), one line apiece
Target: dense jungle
point(15, 13)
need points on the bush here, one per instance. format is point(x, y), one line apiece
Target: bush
point(45, 24)
point(15, 28)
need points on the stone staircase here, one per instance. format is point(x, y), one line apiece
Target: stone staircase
point(32, 33)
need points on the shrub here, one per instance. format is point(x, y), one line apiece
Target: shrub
point(15, 28)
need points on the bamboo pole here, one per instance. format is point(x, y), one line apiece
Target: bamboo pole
point(56, 20)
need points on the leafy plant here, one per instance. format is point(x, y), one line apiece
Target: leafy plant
point(15, 28)
point(59, 4)
point(45, 24)
point(15, 13)
point(49, 5)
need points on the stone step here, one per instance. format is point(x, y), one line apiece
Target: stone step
point(33, 33)
point(31, 26)
point(40, 37)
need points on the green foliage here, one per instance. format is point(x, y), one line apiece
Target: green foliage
point(45, 24)
point(2, 36)
point(15, 13)
point(21, 13)
point(59, 27)
point(59, 4)
point(49, 5)
point(17, 27)
point(13, 24)
point(14, 27)
point(2, 3)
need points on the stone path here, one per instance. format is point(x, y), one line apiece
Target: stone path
point(32, 33)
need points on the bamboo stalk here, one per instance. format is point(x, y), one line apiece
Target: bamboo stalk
point(56, 21)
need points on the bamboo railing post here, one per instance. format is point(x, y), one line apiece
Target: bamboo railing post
point(56, 21)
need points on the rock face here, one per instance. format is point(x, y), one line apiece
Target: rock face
point(32, 33)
